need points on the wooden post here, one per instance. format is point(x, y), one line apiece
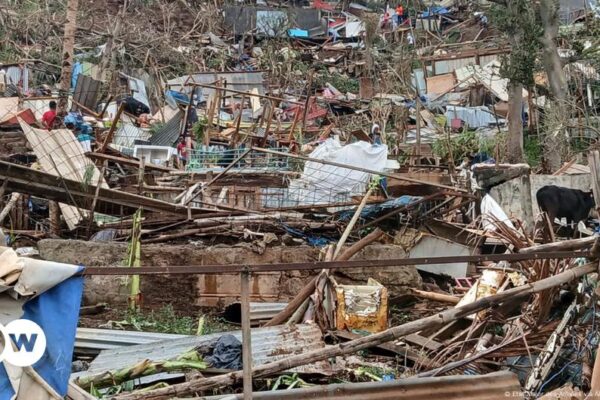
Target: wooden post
point(246, 335)
point(141, 176)
point(269, 119)
point(236, 135)
point(54, 211)
point(418, 152)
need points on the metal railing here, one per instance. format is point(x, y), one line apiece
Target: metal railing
point(219, 158)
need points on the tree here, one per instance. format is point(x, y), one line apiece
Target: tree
point(68, 49)
point(517, 19)
point(555, 140)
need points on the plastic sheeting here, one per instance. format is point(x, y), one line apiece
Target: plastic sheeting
point(474, 117)
point(53, 296)
point(323, 183)
point(372, 211)
point(490, 212)
point(227, 353)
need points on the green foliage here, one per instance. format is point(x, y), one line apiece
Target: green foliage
point(519, 21)
point(156, 128)
point(532, 148)
point(88, 175)
point(341, 82)
point(167, 320)
point(461, 145)
point(289, 381)
point(198, 128)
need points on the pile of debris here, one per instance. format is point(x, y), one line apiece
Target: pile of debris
point(330, 179)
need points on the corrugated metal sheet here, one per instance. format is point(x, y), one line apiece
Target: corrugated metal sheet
point(495, 386)
point(244, 81)
point(92, 341)
point(86, 92)
point(268, 345)
point(448, 66)
point(19, 77)
point(168, 134)
point(127, 134)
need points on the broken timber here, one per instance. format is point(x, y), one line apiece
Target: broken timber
point(109, 201)
point(353, 346)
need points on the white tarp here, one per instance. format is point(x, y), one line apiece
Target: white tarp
point(322, 183)
point(490, 212)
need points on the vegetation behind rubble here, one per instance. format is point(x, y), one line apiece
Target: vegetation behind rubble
point(167, 320)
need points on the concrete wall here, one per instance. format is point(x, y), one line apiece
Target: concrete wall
point(184, 291)
point(511, 196)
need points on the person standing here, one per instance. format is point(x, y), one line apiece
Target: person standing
point(49, 117)
point(399, 14)
point(182, 152)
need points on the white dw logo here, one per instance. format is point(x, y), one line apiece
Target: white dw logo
point(23, 342)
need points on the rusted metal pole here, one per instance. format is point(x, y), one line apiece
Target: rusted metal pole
point(396, 262)
point(246, 335)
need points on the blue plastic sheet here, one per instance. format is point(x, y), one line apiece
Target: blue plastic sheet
point(372, 211)
point(316, 241)
point(56, 311)
point(432, 11)
point(177, 97)
point(77, 70)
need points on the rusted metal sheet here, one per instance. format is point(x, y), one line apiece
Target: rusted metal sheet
point(495, 386)
point(362, 307)
point(268, 345)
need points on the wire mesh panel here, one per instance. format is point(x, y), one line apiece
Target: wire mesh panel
point(217, 158)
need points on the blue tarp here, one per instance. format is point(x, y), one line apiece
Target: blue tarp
point(56, 311)
point(433, 11)
point(315, 241)
point(173, 97)
point(298, 33)
point(77, 70)
point(372, 211)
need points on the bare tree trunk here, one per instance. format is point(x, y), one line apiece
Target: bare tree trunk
point(68, 48)
point(515, 123)
point(553, 145)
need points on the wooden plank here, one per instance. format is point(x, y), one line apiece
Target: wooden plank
point(419, 340)
point(391, 347)
point(440, 83)
point(22, 179)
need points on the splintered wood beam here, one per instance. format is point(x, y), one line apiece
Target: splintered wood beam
point(26, 180)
